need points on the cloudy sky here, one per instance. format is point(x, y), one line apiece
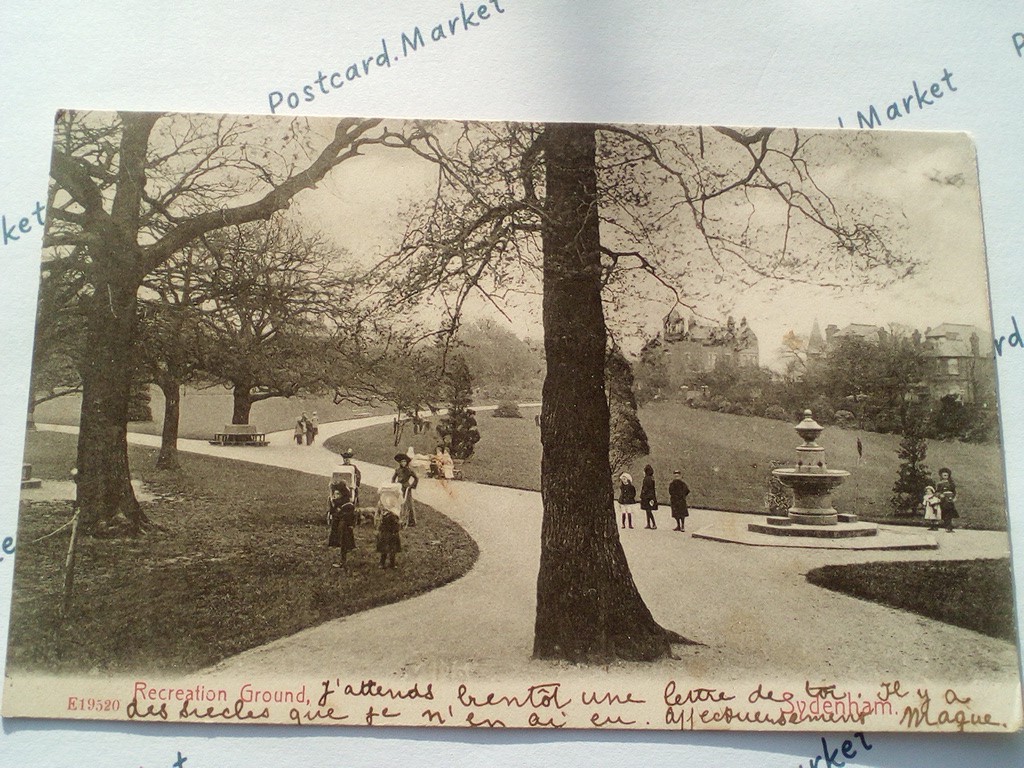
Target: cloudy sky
point(920, 187)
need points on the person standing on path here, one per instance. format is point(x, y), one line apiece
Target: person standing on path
point(677, 493)
point(357, 476)
point(649, 497)
point(408, 480)
point(309, 428)
point(300, 429)
point(945, 489)
point(313, 428)
point(627, 498)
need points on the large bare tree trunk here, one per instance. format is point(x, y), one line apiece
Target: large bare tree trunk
point(242, 404)
point(588, 608)
point(168, 458)
point(105, 494)
point(109, 226)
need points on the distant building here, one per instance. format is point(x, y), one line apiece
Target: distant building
point(958, 357)
point(815, 342)
point(688, 347)
point(960, 362)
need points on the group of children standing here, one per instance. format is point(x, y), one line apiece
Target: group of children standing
point(648, 501)
point(940, 502)
point(342, 517)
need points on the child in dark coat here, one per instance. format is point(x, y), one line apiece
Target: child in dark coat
point(389, 542)
point(627, 498)
point(341, 517)
point(649, 497)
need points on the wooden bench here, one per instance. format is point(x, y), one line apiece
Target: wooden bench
point(239, 434)
point(26, 478)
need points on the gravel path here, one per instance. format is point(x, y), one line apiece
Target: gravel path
point(749, 608)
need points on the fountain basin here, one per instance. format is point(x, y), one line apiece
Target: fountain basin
point(812, 493)
point(812, 482)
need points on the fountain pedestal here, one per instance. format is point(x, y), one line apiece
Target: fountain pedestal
point(812, 483)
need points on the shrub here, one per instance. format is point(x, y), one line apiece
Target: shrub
point(844, 418)
point(458, 430)
point(823, 411)
point(507, 410)
point(913, 475)
point(776, 412)
point(776, 500)
point(984, 428)
point(720, 404)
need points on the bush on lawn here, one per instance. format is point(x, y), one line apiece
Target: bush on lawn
point(507, 410)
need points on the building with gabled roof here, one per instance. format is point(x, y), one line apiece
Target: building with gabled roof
point(688, 347)
point(958, 357)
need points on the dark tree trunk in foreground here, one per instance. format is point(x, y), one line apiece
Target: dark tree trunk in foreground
point(588, 608)
point(168, 458)
point(243, 400)
point(105, 493)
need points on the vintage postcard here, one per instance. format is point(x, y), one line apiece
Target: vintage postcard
point(426, 423)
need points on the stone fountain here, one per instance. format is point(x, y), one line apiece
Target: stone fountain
point(812, 483)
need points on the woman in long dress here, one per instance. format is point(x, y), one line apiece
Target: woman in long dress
point(447, 464)
point(677, 493)
point(408, 480)
point(945, 489)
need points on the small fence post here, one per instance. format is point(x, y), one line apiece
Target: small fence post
point(69, 568)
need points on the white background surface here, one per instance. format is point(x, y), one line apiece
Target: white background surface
point(738, 63)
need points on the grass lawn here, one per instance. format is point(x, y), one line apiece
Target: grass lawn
point(204, 411)
point(725, 460)
point(973, 594)
point(244, 560)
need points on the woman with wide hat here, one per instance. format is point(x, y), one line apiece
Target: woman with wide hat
point(945, 489)
point(405, 477)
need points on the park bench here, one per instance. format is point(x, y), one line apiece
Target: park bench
point(239, 434)
point(27, 480)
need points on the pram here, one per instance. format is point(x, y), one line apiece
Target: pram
point(346, 474)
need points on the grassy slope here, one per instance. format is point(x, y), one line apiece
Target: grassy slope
point(243, 561)
point(974, 594)
point(725, 460)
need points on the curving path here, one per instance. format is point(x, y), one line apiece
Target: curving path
point(749, 607)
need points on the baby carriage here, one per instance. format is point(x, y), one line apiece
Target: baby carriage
point(346, 474)
point(389, 497)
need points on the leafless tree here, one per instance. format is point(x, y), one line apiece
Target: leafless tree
point(129, 190)
point(593, 216)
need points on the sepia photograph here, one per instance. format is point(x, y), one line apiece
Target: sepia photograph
point(359, 421)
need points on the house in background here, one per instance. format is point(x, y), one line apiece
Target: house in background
point(959, 358)
point(960, 362)
point(687, 347)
